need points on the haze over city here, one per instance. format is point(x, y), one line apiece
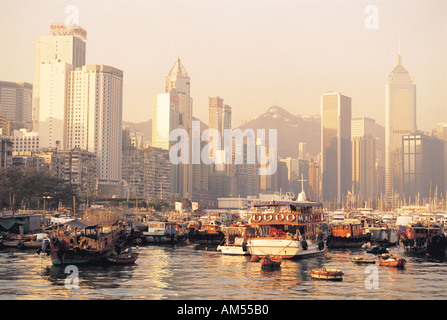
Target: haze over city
point(253, 54)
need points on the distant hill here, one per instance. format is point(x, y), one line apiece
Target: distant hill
point(292, 129)
point(141, 128)
point(145, 129)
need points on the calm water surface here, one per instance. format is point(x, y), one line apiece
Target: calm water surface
point(176, 272)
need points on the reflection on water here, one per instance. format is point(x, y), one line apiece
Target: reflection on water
point(165, 272)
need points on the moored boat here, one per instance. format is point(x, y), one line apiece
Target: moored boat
point(390, 260)
point(236, 240)
point(288, 228)
point(347, 234)
point(360, 260)
point(125, 257)
point(80, 242)
point(327, 274)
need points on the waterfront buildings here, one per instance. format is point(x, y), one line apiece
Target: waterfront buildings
point(335, 146)
point(400, 120)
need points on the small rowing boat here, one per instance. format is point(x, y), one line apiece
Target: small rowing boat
point(390, 260)
point(327, 274)
point(360, 259)
point(123, 258)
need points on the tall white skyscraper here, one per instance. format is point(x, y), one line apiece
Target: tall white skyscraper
point(400, 120)
point(65, 44)
point(52, 92)
point(94, 117)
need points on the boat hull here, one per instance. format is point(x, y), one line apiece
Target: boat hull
point(233, 250)
point(391, 261)
point(327, 274)
point(271, 262)
point(287, 249)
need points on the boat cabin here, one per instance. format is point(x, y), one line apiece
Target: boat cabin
point(288, 219)
point(161, 228)
point(236, 236)
point(348, 228)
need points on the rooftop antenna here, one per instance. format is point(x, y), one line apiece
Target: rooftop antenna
point(399, 56)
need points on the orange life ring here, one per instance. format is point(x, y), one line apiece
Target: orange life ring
point(290, 217)
point(280, 217)
point(256, 217)
point(268, 217)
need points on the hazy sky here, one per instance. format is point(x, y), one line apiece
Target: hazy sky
point(252, 53)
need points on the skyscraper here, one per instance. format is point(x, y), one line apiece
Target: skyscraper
point(16, 100)
point(363, 158)
point(400, 120)
point(52, 93)
point(65, 44)
point(173, 110)
point(94, 117)
point(335, 146)
point(423, 166)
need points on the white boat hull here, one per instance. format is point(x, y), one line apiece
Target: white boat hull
point(233, 250)
point(287, 249)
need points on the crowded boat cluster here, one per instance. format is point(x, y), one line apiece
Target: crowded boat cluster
point(269, 231)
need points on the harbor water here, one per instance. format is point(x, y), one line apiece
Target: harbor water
point(186, 273)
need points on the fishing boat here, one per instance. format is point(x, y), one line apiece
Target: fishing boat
point(271, 261)
point(255, 258)
point(327, 274)
point(361, 260)
point(236, 240)
point(390, 260)
point(81, 242)
point(159, 232)
point(377, 249)
point(423, 238)
point(288, 228)
point(125, 257)
point(347, 234)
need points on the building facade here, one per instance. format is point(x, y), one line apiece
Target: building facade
point(66, 44)
point(400, 120)
point(16, 100)
point(335, 146)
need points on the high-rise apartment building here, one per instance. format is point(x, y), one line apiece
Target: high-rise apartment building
point(400, 120)
point(65, 44)
point(16, 99)
point(52, 96)
point(335, 146)
point(94, 117)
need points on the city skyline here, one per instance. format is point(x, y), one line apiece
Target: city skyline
point(254, 54)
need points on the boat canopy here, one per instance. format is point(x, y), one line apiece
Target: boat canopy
point(288, 203)
point(82, 224)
